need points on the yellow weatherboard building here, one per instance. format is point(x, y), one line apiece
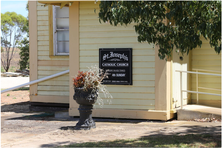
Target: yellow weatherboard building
point(70, 39)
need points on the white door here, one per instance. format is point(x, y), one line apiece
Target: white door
point(179, 63)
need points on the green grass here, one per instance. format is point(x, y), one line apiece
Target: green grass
point(203, 140)
point(2, 70)
point(12, 69)
point(22, 88)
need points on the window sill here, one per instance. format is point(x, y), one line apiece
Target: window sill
point(59, 56)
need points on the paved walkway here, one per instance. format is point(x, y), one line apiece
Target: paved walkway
point(8, 82)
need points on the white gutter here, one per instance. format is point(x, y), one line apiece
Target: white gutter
point(36, 81)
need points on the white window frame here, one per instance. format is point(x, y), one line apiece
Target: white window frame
point(55, 43)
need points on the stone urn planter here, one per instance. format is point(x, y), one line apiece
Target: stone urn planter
point(86, 86)
point(85, 99)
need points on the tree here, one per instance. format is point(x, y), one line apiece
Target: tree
point(186, 22)
point(24, 54)
point(11, 33)
point(24, 46)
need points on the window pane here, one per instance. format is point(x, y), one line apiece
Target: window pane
point(64, 12)
point(62, 23)
point(63, 47)
point(62, 35)
point(61, 26)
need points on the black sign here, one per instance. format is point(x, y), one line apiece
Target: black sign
point(118, 63)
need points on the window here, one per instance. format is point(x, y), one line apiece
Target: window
point(60, 30)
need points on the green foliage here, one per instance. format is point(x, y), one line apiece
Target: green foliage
point(27, 6)
point(24, 46)
point(24, 54)
point(2, 69)
point(8, 95)
point(186, 22)
point(26, 27)
point(12, 69)
point(22, 88)
point(12, 30)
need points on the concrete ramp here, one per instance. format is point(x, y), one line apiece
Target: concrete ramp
point(192, 112)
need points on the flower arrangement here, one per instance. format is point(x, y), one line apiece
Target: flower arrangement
point(92, 80)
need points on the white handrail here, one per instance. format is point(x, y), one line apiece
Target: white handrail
point(197, 87)
point(210, 88)
point(199, 73)
point(196, 92)
point(36, 81)
point(181, 91)
point(207, 70)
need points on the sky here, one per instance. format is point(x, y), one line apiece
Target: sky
point(18, 6)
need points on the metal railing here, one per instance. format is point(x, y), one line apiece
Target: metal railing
point(36, 81)
point(206, 88)
point(197, 90)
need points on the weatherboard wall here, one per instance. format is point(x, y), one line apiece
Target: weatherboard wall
point(148, 97)
point(48, 64)
point(95, 35)
point(206, 60)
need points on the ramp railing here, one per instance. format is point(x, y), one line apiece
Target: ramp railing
point(205, 88)
point(36, 81)
point(195, 92)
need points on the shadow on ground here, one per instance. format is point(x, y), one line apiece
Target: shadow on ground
point(28, 112)
point(192, 136)
point(216, 130)
point(25, 107)
point(48, 113)
point(156, 140)
point(21, 107)
point(171, 136)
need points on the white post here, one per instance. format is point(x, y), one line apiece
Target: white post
point(181, 92)
point(197, 87)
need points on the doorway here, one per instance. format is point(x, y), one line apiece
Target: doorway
point(180, 62)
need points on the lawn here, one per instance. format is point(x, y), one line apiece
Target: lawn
point(201, 140)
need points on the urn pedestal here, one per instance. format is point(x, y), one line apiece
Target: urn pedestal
point(85, 99)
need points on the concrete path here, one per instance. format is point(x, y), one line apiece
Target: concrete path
point(193, 111)
point(8, 82)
